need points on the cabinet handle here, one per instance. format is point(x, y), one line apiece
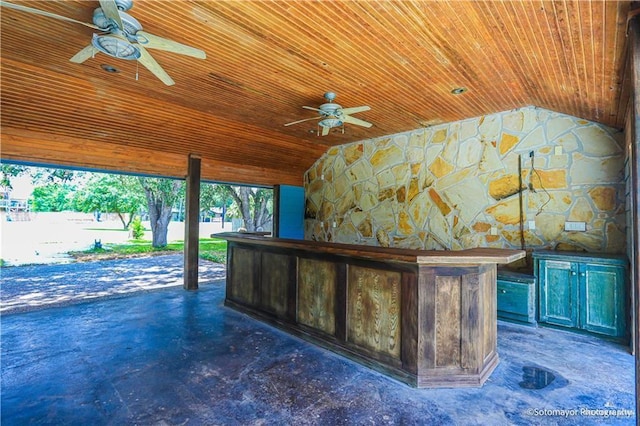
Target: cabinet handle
point(582, 274)
point(503, 291)
point(573, 272)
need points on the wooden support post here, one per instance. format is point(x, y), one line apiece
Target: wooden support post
point(634, 164)
point(192, 224)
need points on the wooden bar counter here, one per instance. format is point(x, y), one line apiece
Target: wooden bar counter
point(427, 318)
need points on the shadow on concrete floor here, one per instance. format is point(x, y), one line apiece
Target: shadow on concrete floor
point(26, 288)
point(177, 357)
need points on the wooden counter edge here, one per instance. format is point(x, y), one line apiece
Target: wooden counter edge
point(475, 256)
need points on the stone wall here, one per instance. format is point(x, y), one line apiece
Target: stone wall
point(458, 186)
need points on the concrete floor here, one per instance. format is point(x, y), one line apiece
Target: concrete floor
point(172, 357)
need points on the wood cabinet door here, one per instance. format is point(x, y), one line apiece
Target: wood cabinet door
point(558, 293)
point(602, 299)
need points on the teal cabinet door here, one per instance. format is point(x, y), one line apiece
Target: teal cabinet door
point(602, 292)
point(583, 291)
point(558, 293)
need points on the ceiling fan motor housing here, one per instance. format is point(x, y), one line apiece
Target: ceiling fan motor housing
point(124, 5)
point(130, 25)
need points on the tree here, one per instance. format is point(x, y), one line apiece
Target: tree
point(214, 196)
point(110, 193)
point(39, 175)
point(10, 171)
point(255, 205)
point(53, 197)
point(161, 195)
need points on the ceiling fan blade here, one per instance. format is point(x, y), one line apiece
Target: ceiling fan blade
point(355, 109)
point(47, 14)
point(300, 121)
point(149, 63)
point(356, 121)
point(83, 55)
point(325, 130)
point(312, 108)
point(151, 41)
point(110, 10)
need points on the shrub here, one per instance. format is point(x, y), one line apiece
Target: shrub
point(137, 230)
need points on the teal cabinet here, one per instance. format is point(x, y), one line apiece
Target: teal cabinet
point(516, 297)
point(582, 291)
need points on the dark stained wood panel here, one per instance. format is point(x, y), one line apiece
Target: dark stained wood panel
point(243, 284)
point(317, 294)
point(373, 313)
point(275, 277)
point(448, 320)
point(267, 59)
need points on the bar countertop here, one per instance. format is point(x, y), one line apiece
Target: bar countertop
point(475, 256)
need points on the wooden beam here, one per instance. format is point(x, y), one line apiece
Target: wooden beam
point(49, 149)
point(634, 164)
point(192, 224)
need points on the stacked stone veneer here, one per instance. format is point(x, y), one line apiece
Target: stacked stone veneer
point(447, 186)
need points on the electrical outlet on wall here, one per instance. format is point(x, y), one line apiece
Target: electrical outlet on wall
point(575, 226)
point(494, 230)
point(531, 224)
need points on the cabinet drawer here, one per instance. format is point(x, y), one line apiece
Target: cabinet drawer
point(516, 300)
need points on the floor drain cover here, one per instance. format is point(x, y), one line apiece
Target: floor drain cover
point(536, 378)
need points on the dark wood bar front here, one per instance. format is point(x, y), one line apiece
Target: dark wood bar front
point(427, 318)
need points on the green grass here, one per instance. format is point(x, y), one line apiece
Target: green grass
point(212, 249)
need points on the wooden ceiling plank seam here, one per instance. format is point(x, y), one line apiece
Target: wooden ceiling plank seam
point(383, 72)
point(119, 160)
point(494, 15)
point(563, 98)
point(52, 123)
point(445, 87)
point(550, 57)
point(608, 87)
point(271, 58)
point(526, 63)
point(441, 105)
point(562, 14)
point(386, 69)
point(620, 50)
point(45, 142)
point(541, 63)
point(383, 75)
point(459, 62)
point(598, 94)
point(583, 77)
point(140, 134)
point(505, 74)
point(158, 114)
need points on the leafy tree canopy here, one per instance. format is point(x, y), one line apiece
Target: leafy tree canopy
point(53, 197)
point(111, 193)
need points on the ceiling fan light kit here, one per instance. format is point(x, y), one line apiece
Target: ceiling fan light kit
point(120, 37)
point(115, 46)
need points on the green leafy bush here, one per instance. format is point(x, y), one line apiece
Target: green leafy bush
point(137, 230)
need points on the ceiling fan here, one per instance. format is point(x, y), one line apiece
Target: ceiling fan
point(333, 115)
point(120, 36)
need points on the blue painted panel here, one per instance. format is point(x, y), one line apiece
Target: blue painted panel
point(291, 212)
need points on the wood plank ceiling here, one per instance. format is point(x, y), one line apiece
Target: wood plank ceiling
point(265, 59)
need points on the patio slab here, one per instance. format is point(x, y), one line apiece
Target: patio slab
point(176, 357)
